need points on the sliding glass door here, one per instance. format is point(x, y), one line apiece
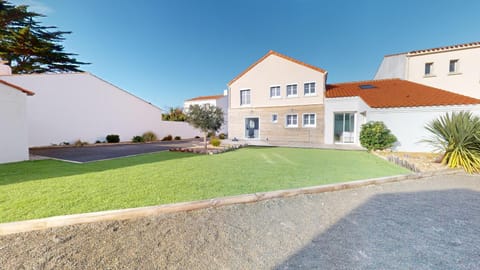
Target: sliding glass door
point(344, 127)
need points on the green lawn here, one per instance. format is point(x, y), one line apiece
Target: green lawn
point(43, 188)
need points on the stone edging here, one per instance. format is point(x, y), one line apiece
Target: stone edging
point(122, 214)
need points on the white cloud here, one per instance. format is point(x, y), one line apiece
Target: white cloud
point(35, 6)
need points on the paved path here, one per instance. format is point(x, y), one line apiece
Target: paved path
point(100, 152)
point(432, 223)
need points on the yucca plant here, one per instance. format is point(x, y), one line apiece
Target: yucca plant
point(457, 136)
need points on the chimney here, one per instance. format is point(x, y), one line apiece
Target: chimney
point(4, 68)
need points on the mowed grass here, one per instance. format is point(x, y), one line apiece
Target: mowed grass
point(36, 189)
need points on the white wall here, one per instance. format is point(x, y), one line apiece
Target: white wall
point(408, 124)
point(346, 104)
point(221, 102)
point(68, 107)
point(392, 66)
point(13, 125)
point(466, 81)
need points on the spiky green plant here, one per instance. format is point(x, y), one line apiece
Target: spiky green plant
point(457, 135)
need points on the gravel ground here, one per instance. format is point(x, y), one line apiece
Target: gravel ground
point(433, 223)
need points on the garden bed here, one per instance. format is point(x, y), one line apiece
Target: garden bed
point(417, 162)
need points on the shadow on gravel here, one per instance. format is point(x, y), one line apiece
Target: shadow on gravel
point(424, 230)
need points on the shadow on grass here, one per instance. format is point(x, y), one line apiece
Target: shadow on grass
point(43, 169)
point(421, 230)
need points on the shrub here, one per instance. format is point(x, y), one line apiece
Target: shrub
point(137, 139)
point(177, 138)
point(222, 136)
point(215, 141)
point(197, 137)
point(79, 143)
point(210, 134)
point(457, 135)
point(97, 142)
point(167, 138)
point(113, 138)
point(149, 136)
point(376, 136)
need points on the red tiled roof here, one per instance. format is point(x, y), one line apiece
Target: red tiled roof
point(446, 48)
point(393, 93)
point(205, 98)
point(30, 93)
point(279, 55)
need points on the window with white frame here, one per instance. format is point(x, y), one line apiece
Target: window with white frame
point(453, 66)
point(274, 118)
point(292, 120)
point(275, 91)
point(245, 97)
point(428, 69)
point(309, 89)
point(292, 90)
point(309, 120)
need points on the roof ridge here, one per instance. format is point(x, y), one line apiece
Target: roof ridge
point(449, 47)
point(272, 52)
point(206, 97)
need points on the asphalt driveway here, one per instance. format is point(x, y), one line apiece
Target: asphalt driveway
point(100, 152)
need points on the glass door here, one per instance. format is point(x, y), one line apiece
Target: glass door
point(251, 128)
point(344, 127)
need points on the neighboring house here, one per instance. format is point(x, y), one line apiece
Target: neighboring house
point(405, 107)
point(80, 106)
point(277, 99)
point(216, 100)
point(453, 68)
point(13, 122)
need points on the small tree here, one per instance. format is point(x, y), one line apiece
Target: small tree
point(206, 118)
point(376, 136)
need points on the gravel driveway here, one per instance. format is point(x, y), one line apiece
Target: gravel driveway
point(433, 223)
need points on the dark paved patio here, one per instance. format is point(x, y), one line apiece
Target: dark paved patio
point(101, 152)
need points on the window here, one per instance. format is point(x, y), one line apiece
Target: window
point(244, 97)
point(428, 69)
point(292, 90)
point(292, 120)
point(309, 89)
point(274, 118)
point(453, 67)
point(275, 91)
point(309, 120)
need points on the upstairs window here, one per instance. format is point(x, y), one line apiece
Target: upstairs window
point(275, 91)
point(309, 89)
point(453, 66)
point(245, 97)
point(292, 90)
point(428, 69)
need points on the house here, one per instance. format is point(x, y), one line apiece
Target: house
point(80, 106)
point(220, 101)
point(277, 99)
point(452, 68)
point(13, 121)
point(405, 107)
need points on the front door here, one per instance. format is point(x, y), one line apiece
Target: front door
point(344, 128)
point(251, 128)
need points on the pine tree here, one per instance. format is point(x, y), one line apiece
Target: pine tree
point(28, 46)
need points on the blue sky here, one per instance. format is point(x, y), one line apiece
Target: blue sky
point(169, 51)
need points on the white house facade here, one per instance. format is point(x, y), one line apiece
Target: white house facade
point(80, 106)
point(13, 123)
point(453, 68)
point(220, 101)
point(405, 108)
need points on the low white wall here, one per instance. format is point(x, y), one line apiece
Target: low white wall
point(408, 124)
point(69, 107)
point(13, 125)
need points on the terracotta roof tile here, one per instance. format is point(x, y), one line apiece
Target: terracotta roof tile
point(205, 97)
point(393, 93)
point(446, 48)
point(28, 92)
point(279, 55)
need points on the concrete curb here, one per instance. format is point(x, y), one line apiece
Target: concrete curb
point(122, 214)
